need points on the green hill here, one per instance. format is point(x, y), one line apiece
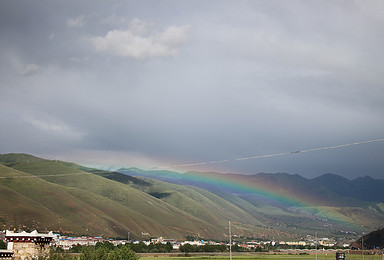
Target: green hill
point(193, 200)
point(57, 195)
point(35, 203)
point(13, 158)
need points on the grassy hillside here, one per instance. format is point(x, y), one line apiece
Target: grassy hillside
point(194, 200)
point(158, 211)
point(71, 198)
point(14, 158)
point(35, 203)
point(198, 202)
point(248, 219)
point(84, 203)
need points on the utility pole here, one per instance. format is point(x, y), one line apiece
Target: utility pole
point(362, 246)
point(230, 241)
point(316, 243)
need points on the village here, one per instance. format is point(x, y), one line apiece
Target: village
point(68, 242)
point(24, 245)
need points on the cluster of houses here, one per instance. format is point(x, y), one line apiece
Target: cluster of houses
point(24, 245)
point(68, 242)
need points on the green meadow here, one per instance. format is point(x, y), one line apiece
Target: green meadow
point(292, 257)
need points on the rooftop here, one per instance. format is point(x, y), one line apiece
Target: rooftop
point(26, 234)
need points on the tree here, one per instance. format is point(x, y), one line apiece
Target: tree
point(91, 253)
point(106, 245)
point(2, 245)
point(76, 248)
point(186, 248)
point(104, 251)
point(59, 256)
point(168, 247)
point(235, 248)
point(258, 249)
point(139, 248)
point(122, 253)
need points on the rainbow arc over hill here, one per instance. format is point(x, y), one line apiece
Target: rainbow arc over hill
point(265, 189)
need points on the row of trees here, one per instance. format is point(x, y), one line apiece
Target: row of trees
point(187, 248)
point(106, 251)
point(153, 248)
point(117, 253)
point(162, 248)
point(138, 248)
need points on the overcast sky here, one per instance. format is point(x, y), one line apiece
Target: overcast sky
point(149, 83)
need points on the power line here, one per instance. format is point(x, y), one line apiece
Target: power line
point(39, 176)
point(215, 162)
point(267, 155)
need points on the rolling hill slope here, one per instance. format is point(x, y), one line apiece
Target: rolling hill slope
point(162, 217)
point(35, 203)
point(75, 201)
point(193, 200)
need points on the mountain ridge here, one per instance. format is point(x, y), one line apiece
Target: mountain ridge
point(363, 188)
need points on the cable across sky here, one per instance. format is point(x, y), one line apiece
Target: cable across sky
point(267, 155)
point(42, 176)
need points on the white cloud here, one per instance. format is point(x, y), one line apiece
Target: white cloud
point(174, 36)
point(140, 42)
point(52, 126)
point(76, 22)
point(113, 20)
point(31, 69)
point(139, 27)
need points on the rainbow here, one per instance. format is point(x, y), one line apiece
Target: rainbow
point(265, 189)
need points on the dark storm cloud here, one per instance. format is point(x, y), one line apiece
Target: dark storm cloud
point(160, 82)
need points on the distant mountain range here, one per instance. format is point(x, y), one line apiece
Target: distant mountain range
point(73, 199)
point(361, 188)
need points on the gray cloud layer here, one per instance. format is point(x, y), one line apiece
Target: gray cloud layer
point(149, 83)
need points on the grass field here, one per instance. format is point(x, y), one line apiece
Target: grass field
point(291, 257)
